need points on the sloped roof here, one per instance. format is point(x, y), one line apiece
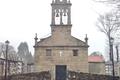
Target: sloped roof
point(96, 58)
point(71, 41)
point(2, 55)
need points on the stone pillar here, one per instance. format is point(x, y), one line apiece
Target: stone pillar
point(61, 13)
point(69, 16)
point(53, 17)
point(36, 38)
point(86, 39)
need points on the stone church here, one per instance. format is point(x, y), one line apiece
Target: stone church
point(61, 52)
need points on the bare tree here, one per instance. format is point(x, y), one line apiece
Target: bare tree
point(108, 1)
point(109, 24)
point(10, 49)
point(12, 59)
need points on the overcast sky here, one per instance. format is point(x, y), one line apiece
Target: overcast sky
point(21, 19)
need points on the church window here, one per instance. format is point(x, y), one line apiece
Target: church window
point(48, 52)
point(75, 52)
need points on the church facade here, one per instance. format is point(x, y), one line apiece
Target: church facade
point(61, 52)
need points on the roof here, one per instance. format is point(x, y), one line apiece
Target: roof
point(71, 41)
point(96, 58)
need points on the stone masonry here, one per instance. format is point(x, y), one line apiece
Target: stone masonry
point(61, 48)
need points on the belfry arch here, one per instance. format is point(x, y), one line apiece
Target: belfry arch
point(61, 12)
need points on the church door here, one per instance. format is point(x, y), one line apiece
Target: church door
point(61, 72)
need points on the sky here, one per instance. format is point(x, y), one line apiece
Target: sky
point(21, 19)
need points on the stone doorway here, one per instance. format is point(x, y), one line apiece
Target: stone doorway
point(61, 72)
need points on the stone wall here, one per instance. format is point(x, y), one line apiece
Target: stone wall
point(70, 76)
point(45, 75)
point(97, 68)
point(86, 76)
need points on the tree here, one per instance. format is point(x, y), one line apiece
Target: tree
point(27, 58)
point(109, 24)
point(13, 59)
point(108, 1)
point(23, 49)
point(96, 53)
point(11, 50)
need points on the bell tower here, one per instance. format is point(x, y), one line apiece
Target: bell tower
point(61, 12)
point(61, 51)
point(61, 18)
